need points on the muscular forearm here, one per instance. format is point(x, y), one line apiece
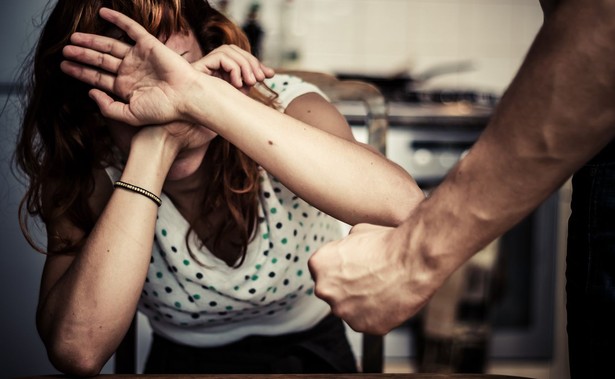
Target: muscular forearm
point(557, 113)
point(86, 313)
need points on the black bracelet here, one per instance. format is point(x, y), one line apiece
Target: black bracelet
point(139, 190)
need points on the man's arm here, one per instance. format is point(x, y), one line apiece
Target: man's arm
point(557, 113)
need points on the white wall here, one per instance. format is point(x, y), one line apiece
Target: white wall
point(389, 36)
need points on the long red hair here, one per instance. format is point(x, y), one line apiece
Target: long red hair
point(64, 138)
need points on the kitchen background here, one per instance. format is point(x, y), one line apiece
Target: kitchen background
point(463, 45)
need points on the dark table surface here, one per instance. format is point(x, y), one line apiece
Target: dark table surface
point(310, 376)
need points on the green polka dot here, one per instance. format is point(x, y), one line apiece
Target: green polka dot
point(254, 277)
point(274, 210)
point(307, 249)
point(275, 289)
point(265, 236)
point(309, 291)
point(155, 293)
point(296, 205)
point(236, 288)
point(164, 232)
point(196, 296)
point(178, 304)
point(274, 260)
point(159, 274)
point(258, 266)
point(284, 241)
point(229, 308)
point(186, 262)
point(300, 272)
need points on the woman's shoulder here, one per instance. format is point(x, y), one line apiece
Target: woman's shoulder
point(289, 87)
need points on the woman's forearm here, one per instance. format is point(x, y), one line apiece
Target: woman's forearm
point(338, 176)
point(86, 313)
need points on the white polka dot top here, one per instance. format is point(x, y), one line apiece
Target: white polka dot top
point(271, 293)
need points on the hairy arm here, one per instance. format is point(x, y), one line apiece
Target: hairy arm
point(557, 113)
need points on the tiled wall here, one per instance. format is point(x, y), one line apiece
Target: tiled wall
point(389, 36)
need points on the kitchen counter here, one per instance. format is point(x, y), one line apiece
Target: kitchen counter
point(402, 114)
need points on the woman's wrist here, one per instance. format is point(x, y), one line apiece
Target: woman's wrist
point(152, 152)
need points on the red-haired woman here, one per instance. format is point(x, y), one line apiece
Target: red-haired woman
point(186, 191)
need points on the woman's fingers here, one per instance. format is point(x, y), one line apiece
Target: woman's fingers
point(113, 109)
point(93, 58)
point(134, 30)
point(95, 78)
point(235, 65)
point(101, 44)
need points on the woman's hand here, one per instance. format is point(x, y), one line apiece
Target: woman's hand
point(152, 81)
point(234, 65)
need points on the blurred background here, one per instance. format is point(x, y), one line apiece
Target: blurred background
point(442, 64)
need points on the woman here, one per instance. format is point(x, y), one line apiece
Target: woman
point(185, 198)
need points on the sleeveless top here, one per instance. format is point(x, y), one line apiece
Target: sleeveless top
point(271, 293)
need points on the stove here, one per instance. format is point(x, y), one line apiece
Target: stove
point(427, 138)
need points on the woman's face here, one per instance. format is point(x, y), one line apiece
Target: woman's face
point(196, 137)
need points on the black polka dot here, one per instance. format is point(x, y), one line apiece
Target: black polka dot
point(252, 291)
point(151, 259)
point(266, 252)
point(199, 275)
point(288, 256)
point(279, 225)
point(272, 274)
point(195, 315)
point(296, 259)
point(270, 313)
point(286, 281)
point(266, 194)
point(212, 303)
point(277, 190)
point(168, 289)
point(174, 268)
point(304, 214)
point(190, 299)
point(174, 249)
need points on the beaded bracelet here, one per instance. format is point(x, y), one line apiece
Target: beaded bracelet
point(139, 190)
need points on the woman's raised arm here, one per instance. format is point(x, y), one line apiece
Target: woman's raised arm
point(326, 168)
